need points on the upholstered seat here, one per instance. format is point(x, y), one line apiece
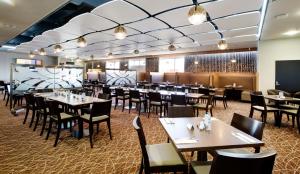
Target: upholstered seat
point(63, 116)
point(163, 155)
point(261, 108)
point(289, 107)
point(95, 118)
point(201, 106)
point(200, 167)
point(123, 97)
point(157, 103)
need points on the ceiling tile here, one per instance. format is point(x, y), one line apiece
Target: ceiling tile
point(148, 24)
point(157, 42)
point(175, 18)
point(205, 37)
point(245, 38)
point(194, 29)
point(166, 34)
point(141, 38)
point(183, 40)
point(99, 37)
point(239, 32)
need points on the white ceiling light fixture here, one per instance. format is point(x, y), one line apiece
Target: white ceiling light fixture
point(291, 32)
point(31, 54)
point(171, 48)
point(42, 52)
point(222, 45)
point(57, 48)
point(262, 17)
point(197, 15)
point(81, 42)
point(120, 32)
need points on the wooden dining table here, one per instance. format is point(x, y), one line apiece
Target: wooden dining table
point(221, 136)
point(277, 99)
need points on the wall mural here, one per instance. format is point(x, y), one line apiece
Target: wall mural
point(222, 62)
point(119, 77)
point(42, 77)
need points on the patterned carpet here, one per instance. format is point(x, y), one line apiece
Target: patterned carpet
point(24, 151)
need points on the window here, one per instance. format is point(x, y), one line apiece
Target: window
point(171, 64)
point(112, 65)
point(137, 64)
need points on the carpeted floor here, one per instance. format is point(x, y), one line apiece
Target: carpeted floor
point(24, 151)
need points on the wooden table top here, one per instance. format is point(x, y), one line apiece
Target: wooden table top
point(277, 98)
point(73, 100)
point(221, 136)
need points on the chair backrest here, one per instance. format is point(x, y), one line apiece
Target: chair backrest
point(101, 108)
point(29, 99)
point(204, 91)
point(40, 103)
point(48, 90)
point(180, 111)
point(2, 83)
point(54, 109)
point(139, 128)
point(258, 100)
point(248, 125)
point(234, 163)
point(106, 90)
point(209, 100)
point(88, 92)
point(178, 99)
point(119, 92)
point(155, 96)
point(104, 96)
point(134, 94)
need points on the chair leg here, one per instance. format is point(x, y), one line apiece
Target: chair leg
point(298, 123)
point(130, 105)
point(37, 120)
point(160, 111)
point(109, 129)
point(149, 109)
point(116, 102)
point(123, 105)
point(97, 128)
point(44, 124)
point(26, 115)
point(139, 105)
point(211, 113)
point(141, 166)
point(91, 134)
point(293, 120)
point(32, 117)
point(251, 113)
point(49, 129)
point(57, 134)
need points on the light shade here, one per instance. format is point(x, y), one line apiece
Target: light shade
point(172, 47)
point(42, 52)
point(31, 55)
point(57, 48)
point(81, 42)
point(120, 32)
point(222, 45)
point(197, 15)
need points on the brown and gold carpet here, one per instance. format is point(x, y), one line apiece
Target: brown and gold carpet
point(24, 151)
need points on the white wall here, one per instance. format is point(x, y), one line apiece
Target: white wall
point(270, 51)
point(6, 58)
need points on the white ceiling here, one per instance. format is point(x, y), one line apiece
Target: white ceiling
point(18, 15)
point(152, 26)
point(274, 28)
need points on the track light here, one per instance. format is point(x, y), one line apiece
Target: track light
point(81, 42)
point(31, 55)
point(120, 32)
point(222, 45)
point(42, 52)
point(172, 47)
point(197, 15)
point(57, 48)
point(136, 51)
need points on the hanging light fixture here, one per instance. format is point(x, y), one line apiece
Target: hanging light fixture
point(196, 62)
point(172, 47)
point(31, 54)
point(42, 52)
point(197, 15)
point(222, 45)
point(57, 48)
point(81, 42)
point(120, 32)
point(109, 54)
point(136, 51)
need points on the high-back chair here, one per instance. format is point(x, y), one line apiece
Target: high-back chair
point(100, 112)
point(30, 105)
point(180, 111)
point(41, 111)
point(121, 95)
point(178, 99)
point(205, 106)
point(236, 163)
point(158, 158)
point(295, 114)
point(155, 100)
point(135, 97)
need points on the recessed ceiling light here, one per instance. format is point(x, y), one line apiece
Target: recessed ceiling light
point(291, 32)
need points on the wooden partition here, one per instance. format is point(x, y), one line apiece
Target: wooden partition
point(200, 78)
point(156, 77)
point(247, 80)
point(170, 77)
point(183, 78)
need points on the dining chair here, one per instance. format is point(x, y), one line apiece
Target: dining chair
point(59, 118)
point(177, 99)
point(236, 163)
point(258, 103)
point(157, 158)
point(121, 95)
point(180, 111)
point(204, 106)
point(205, 92)
point(294, 114)
point(221, 97)
point(41, 111)
point(100, 112)
point(135, 97)
point(155, 100)
point(106, 90)
point(30, 105)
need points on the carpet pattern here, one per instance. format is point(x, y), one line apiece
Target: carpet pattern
point(24, 151)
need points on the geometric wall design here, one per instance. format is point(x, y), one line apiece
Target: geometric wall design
point(43, 77)
point(119, 77)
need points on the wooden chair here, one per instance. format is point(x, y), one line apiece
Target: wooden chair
point(41, 111)
point(222, 97)
point(158, 158)
point(121, 95)
point(30, 105)
point(294, 114)
point(180, 111)
point(204, 106)
point(235, 163)
point(100, 112)
point(155, 100)
point(135, 97)
point(258, 103)
point(178, 99)
point(59, 118)
point(107, 90)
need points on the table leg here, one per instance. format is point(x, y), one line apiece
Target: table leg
point(80, 125)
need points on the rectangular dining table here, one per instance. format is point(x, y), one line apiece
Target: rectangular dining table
point(221, 135)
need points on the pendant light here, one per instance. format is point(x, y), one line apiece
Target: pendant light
point(136, 51)
point(120, 32)
point(81, 42)
point(31, 55)
point(197, 15)
point(42, 52)
point(222, 45)
point(172, 47)
point(57, 48)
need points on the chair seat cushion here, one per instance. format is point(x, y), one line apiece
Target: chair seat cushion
point(286, 106)
point(290, 111)
point(157, 103)
point(123, 97)
point(163, 155)
point(201, 106)
point(261, 108)
point(95, 119)
point(63, 116)
point(138, 100)
point(201, 167)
